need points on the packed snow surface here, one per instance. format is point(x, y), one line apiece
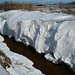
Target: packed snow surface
point(52, 34)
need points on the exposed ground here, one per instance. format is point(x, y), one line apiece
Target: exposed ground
point(68, 9)
point(14, 6)
point(4, 60)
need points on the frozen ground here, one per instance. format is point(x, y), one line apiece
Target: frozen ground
point(52, 34)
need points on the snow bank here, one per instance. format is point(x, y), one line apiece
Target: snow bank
point(65, 44)
point(20, 65)
point(52, 34)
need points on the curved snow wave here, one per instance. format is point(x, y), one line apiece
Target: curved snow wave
point(52, 34)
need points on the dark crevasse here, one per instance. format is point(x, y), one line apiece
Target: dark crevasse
point(39, 61)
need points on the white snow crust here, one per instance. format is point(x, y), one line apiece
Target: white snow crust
point(52, 34)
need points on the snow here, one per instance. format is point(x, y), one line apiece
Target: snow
point(66, 43)
point(20, 65)
point(3, 71)
point(1, 39)
point(50, 33)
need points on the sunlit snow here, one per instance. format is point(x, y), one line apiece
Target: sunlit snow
point(52, 34)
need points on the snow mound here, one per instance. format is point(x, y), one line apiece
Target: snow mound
point(52, 34)
point(65, 44)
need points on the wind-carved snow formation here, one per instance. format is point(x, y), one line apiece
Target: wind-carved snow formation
point(52, 34)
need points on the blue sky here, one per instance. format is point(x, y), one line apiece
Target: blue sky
point(38, 1)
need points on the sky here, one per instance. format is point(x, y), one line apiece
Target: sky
point(38, 1)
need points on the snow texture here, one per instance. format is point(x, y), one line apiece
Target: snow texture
point(52, 34)
point(3, 71)
point(1, 39)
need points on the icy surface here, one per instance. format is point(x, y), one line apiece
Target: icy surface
point(52, 34)
point(20, 65)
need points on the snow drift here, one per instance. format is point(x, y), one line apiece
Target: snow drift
point(52, 34)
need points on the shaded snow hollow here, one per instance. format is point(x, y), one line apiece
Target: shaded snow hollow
point(52, 34)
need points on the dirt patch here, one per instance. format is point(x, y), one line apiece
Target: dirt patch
point(15, 6)
point(6, 6)
point(4, 60)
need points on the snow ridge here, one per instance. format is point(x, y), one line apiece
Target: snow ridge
point(52, 34)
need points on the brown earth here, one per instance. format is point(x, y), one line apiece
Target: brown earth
point(6, 6)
